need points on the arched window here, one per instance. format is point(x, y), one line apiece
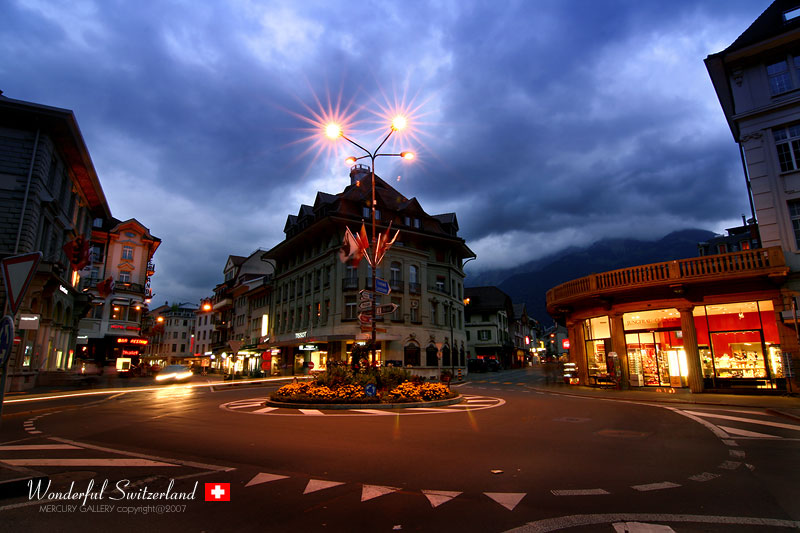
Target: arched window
point(58, 312)
point(445, 355)
point(411, 354)
point(430, 356)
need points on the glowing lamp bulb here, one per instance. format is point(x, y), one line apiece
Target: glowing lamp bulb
point(399, 122)
point(407, 155)
point(333, 130)
point(350, 161)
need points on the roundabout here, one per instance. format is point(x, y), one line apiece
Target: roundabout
point(459, 404)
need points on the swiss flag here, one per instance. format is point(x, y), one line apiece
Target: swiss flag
point(218, 492)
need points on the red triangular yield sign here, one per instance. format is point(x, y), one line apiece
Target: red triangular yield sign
point(18, 271)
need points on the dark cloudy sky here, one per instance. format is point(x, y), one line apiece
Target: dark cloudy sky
point(542, 124)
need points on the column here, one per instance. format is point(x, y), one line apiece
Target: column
point(619, 346)
point(690, 347)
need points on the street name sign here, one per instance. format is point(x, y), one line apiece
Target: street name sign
point(385, 309)
point(18, 271)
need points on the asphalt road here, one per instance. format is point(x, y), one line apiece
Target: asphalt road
point(510, 457)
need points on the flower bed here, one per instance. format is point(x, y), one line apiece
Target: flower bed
point(344, 387)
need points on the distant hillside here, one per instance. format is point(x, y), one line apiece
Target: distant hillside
point(530, 282)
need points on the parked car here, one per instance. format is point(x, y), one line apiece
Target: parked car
point(494, 365)
point(477, 365)
point(174, 374)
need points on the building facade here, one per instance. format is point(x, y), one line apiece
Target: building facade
point(117, 280)
point(50, 194)
point(317, 297)
point(489, 314)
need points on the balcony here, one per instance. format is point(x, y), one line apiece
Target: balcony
point(396, 284)
point(414, 288)
point(768, 262)
point(136, 288)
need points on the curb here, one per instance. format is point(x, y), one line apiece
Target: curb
point(343, 406)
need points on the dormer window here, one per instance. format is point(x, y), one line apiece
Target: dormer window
point(791, 14)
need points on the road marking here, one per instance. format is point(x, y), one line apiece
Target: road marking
point(192, 464)
point(655, 486)
point(312, 412)
point(84, 462)
point(372, 411)
point(747, 420)
point(580, 492)
point(438, 497)
point(509, 500)
point(318, 484)
point(737, 454)
point(565, 522)
point(264, 478)
point(264, 410)
point(244, 405)
point(705, 476)
point(39, 447)
point(745, 433)
point(730, 442)
point(640, 527)
point(730, 465)
point(369, 492)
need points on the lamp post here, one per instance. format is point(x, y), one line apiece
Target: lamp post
point(334, 131)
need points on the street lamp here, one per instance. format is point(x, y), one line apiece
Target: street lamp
point(334, 131)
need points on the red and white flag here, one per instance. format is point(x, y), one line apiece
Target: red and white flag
point(218, 492)
point(384, 244)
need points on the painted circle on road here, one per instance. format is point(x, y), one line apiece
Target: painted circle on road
point(255, 406)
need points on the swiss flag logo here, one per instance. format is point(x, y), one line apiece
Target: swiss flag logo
point(218, 492)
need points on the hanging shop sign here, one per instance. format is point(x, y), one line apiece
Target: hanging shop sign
point(307, 348)
point(28, 321)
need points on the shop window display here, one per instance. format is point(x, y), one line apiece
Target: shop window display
point(597, 333)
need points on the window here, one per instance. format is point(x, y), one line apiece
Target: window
point(124, 277)
point(434, 318)
point(780, 79)
point(787, 144)
point(350, 307)
point(484, 334)
point(791, 14)
point(722, 248)
point(794, 213)
point(127, 252)
point(744, 245)
point(414, 311)
point(440, 283)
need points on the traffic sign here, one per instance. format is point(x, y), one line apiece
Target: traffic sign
point(311, 365)
point(385, 309)
point(6, 339)
point(370, 389)
point(382, 286)
point(18, 271)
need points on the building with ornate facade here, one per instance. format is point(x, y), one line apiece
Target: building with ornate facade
point(316, 297)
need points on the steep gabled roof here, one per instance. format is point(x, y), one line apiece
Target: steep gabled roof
point(769, 24)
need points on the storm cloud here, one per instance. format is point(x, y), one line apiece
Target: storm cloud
point(542, 124)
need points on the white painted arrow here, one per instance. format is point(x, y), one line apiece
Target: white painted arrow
point(369, 492)
point(438, 497)
point(509, 500)
point(318, 484)
point(264, 478)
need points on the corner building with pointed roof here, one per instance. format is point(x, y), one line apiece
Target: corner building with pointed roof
point(316, 297)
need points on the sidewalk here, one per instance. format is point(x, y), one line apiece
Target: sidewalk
point(784, 405)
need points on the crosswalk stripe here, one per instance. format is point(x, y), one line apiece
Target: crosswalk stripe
point(22, 447)
point(264, 477)
point(312, 412)
point(84, 462)
point(745, 433)
point(319, 484)
point(655, 486)
point(580, 492)
point(747, 420)
point(265, 410)
point(372, 411)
